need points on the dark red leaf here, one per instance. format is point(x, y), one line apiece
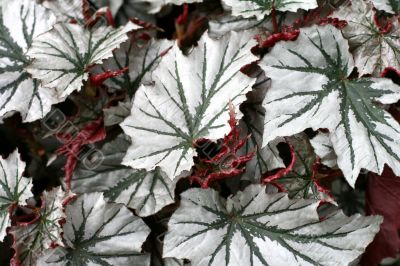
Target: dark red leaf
point(383, 198)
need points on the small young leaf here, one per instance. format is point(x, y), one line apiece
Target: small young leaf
point(256, 228)
point(303, 180)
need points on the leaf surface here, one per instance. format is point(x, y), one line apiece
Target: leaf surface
point(363, 135)
point(146, 192)
point(256, 228)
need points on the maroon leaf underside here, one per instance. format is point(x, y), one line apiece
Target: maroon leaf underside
point(383, 198)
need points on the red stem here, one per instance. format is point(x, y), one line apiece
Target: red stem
point(274, 21)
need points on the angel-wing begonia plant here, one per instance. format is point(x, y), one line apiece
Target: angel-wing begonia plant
point(199, 132)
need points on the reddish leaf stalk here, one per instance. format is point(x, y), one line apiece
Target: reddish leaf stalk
point(274, 20)
point(98, 79)
point(288, 34)
point(91, 133)
point(182, 19)
point(86, 11)
point(145, 25)
point(339, 24)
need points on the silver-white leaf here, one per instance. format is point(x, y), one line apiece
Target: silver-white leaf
point(363, 135)
point(189, 101)
point(20, 22)
point(72, 49)
point(146, 192)
point(256, 228)
point(99, 233)
point(259, 9)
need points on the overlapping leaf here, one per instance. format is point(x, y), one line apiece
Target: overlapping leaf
point(99, 233)
point(123, 10)
point(362, 134)
point(226, 23)
point(141, 57)
point(20, 22)
point(146, 192)
point(116, 114)
point(66, 9)
point(32, 239)
point(189, 101)
point(14, 189)
point(261, 8)
point(72, 49)
point(390, 6)
point(156, 5)
point(267, 158)
point(256, 228)
point(373, 48)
